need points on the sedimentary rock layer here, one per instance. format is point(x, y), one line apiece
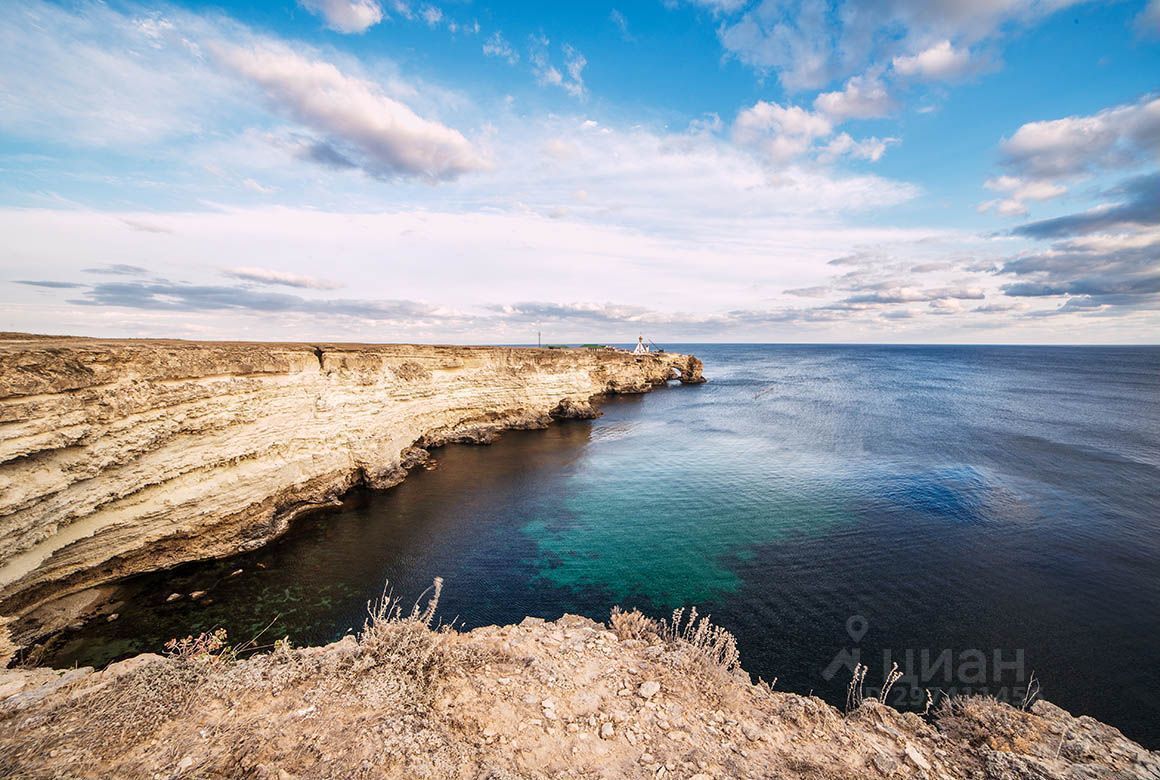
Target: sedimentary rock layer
point(118, 457)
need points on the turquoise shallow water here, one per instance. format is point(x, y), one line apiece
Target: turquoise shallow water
point(930, 505)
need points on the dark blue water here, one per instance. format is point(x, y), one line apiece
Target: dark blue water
point(976, 514)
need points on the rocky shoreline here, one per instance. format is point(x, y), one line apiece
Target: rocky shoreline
point(124, 456)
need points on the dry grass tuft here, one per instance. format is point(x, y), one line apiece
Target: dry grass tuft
point(985, 721)
point(714, 643)
point(210, 649)
point(854, 694)
point(411, 643)
point(633, 625)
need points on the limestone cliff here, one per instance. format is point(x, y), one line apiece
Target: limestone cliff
point(118, 457)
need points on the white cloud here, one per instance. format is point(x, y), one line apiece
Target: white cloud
point(386, 135)
point(764, 117)
point(1116, 137)
point(1046, 154)
point(1007, 207)
point(1148, 20)
point(809, 44)
point(97, 78)
point(843, 145)
point(256, 186)
point(574, 63)
point(497, 46)
point(699, 234)
point(940, 62)
point(621, 22)
point(547, 74)
point(785, 133)
point(428, 258)
point(1025, 190)
point(863, 97)
point(346, 16)
point(418, 278)
point(270, 276)
point(695, 184)
point(402, 8)
point(796, 43)
point(431, 15)
point(1018, 192)
point(720, 6)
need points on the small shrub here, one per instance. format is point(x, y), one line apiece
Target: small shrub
point(210, 649)
point(406, 642)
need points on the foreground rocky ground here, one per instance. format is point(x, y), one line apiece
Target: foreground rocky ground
point(570, 698)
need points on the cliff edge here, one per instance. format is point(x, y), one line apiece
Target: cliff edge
point(570, 698)
point(123, 456)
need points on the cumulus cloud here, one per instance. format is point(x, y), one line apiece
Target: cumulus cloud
point(782, 134)
point(843, 145)
point(346, 16)
point(941, 62)
point(270, 276)
point(388, 138)
point(863, 97)
point(1116, 137)
point(795, 40)
point(1017, 192)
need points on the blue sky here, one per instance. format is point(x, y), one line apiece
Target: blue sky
point(735, 170)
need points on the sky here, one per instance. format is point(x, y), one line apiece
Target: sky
point(466, 171)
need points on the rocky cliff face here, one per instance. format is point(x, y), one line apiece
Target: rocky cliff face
point(118, 457)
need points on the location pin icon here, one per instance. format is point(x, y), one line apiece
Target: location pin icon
point(856, 627)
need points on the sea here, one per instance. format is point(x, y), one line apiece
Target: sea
point(985, 517)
